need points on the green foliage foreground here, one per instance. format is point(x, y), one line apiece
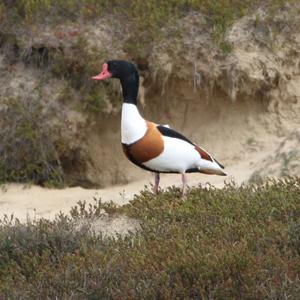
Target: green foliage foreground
point(230, 243)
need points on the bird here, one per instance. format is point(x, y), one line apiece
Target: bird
point(154, 147)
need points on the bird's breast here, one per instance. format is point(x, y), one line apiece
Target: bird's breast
point(146, 148)
point(133, 125)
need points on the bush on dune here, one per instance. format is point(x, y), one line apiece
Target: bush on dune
point(235, 242)
point(27, 150)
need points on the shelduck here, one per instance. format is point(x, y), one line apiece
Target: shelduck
point(153, 147)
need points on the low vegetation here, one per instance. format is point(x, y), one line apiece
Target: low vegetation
point(27, 150)
point(144, 18)
point(230, 243)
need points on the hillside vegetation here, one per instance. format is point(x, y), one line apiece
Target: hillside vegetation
point(230, 243)
point(145, 20)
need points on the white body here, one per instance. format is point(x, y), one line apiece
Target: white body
point(180, 156)
point(177, 156)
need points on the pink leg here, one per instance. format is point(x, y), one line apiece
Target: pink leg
point(156, 183)
point(184, 182)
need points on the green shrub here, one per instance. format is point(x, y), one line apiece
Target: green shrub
point(27, 150)
point(230, 243)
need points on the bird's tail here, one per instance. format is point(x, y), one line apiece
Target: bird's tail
point(209, 165)
point(211, 168)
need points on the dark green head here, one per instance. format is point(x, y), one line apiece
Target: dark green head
point(128, 75)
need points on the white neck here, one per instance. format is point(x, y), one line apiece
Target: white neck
point(133, 126)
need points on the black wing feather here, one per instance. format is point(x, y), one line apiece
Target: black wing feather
point(166, 131)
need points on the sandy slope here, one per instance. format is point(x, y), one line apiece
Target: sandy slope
point(35, 202)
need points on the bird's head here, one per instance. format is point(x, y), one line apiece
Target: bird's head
point(128, 75)
point(116, 69)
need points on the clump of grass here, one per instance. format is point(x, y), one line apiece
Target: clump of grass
point(27, 150)
point(230, 243)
